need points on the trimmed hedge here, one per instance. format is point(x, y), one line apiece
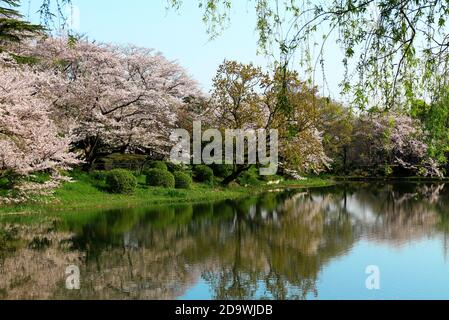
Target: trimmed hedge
point(161, 165)
point(204, 174)
point(121, 181)
point(182, 180)
point(160, 178)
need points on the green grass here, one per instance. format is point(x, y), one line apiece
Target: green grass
point(87, 194)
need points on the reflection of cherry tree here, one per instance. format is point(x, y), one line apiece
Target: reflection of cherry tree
point(127, 259)
point(396, 214)
point(279, 250)
point(274, 246)
point(33, 260)
point(238, 247)
point(431, 192)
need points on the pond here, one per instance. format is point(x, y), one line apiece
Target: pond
point(350, 241)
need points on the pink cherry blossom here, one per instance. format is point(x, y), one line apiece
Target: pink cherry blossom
point(119, 98)
point(29, 139)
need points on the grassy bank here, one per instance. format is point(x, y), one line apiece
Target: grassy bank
point(86, 194)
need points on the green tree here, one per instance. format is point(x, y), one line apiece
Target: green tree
point(13, 29)
point(435, 118)
point(245, 97)
point(336, 123)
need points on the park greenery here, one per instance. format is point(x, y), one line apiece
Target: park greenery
point(81, 117)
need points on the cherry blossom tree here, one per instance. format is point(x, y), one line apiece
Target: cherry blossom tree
point(392, 140)
point(30, 141)
point(120, 98)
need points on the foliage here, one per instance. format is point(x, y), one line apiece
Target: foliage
point(204, 174)
point(121, 181)
point(388, 41)
point(245, 97)
point(12, 27)
point(222, 170)
point(249, 178)
point(8, 179)
point(161, 165)
point(98, 175)
point(435, 120)
point(182, 180)
point(173, 167)
point(160, 178)
point(336, 123)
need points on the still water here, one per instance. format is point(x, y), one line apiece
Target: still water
point(293, 244)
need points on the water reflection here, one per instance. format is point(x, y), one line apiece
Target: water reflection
point(274, 246)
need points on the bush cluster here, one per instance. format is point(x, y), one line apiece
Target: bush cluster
point(182, 180)
point(160, 178)
point(160, 174)
point(204, 174)
point(161, 165)
point(121, 181)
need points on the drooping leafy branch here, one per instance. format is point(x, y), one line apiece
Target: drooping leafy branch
point(49, 9)
point(393, 49)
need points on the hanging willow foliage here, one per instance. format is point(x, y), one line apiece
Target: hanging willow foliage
point(394, 50)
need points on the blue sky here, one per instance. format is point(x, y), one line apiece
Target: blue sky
point(180, 36)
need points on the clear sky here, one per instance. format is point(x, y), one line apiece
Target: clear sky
point(180, 36)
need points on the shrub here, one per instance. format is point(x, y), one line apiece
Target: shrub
point(249, 178)
point(160, 178)
point(8, 179)
point(222, 170)
point(121, 181)
point(161, 165)
point(182, 180)
point(204, 174)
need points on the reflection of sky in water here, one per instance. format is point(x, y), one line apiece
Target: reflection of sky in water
point(412, 266)
point(416, 271)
